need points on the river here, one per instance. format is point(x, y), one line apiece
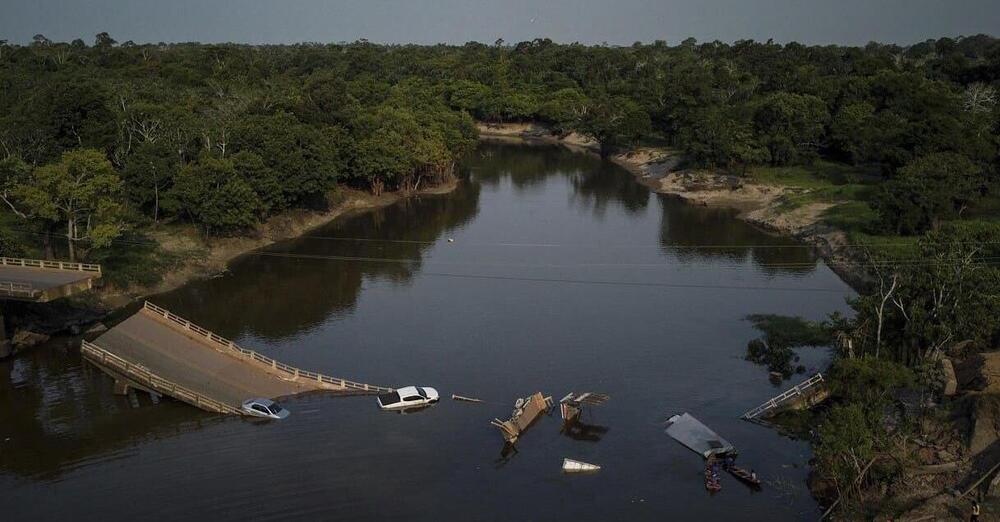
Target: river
point(546, 270)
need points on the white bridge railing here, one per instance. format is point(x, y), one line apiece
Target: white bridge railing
point(41, 263)
point(144, 377)
point(774, 402)
point(291, 371)
point(18, 289)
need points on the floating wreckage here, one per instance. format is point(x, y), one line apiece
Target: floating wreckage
point(690, 432)
point(717, 452)
point(462, 398)
point(526, 411)
point(576, 466)
point(572, 404)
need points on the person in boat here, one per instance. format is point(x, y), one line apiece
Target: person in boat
point(753, 475)
point(730, 461)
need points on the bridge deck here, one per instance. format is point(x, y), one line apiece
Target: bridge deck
point(36, 280)
point(201, 362)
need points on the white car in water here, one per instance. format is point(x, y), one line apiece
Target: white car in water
point(408, 397)
point(265, 408)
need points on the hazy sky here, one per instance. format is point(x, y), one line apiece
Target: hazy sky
point(459, 21)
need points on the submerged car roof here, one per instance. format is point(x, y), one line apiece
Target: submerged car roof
point(262, 401)
point(407, 390)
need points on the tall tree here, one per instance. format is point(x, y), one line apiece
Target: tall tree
point(81, 192)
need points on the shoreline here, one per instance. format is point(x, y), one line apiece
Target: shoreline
point(657, 169)
point(208, 257)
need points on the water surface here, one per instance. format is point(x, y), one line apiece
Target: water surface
point(563, 274)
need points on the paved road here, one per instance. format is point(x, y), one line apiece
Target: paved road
point(42, 278)
point(194, 363)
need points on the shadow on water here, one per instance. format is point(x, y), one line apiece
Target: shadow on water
point(692, 233)
point(61, 414)
point(321, 271)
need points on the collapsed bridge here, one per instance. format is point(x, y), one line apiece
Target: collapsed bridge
point(159, 352)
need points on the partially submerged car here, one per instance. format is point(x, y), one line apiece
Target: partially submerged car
point(408, 397)
point(265, 408)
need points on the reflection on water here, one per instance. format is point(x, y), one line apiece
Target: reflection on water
point(563, 274)
point(322, 277)
point(691, 234)
point(579, 430)
point(57, 415)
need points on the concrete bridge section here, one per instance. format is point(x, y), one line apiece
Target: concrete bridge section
point(156, 351)
point(39, 281)
point(42, 281)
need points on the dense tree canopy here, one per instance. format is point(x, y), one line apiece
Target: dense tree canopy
point(282, 125)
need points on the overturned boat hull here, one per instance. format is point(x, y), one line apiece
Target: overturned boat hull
point(697, 437)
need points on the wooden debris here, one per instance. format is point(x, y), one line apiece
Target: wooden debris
point(526, 411)
point(572, 404)
point(464, 399)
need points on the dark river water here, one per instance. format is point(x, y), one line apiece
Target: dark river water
point(564, 274)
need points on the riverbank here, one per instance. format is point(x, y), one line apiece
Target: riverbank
point(761, 204)
point(201, 257)
point(194, 257)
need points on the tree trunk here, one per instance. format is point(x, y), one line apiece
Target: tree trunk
point(69, 237)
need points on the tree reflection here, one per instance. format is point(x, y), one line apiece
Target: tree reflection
point(296, 285)
point(694, 233)
point(57, 415)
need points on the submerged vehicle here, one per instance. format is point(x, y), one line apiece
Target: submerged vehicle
point(264, 408)
point(408, 397)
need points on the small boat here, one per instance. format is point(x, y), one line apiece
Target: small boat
point(575, 466)
point(744, 475)
point(712, 481)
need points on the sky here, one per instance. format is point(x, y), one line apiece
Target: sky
point(616, 22)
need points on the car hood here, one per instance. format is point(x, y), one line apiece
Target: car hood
point(431, 393)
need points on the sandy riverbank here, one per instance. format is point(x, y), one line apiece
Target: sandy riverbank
point(205, 257)
point(659, 169)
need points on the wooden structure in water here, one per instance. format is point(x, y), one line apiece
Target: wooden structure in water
point(158, 352)
point(526, 411)
point(572, 404)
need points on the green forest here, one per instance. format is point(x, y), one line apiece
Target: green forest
point(226, 135)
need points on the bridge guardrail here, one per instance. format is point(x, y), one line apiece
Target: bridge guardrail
point(143, 376)
point(778, 400)
point(41, 263)
point(18, 289)
point(292, 371)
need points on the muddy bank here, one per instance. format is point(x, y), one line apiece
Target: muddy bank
point(203, 257)
point(660, 169)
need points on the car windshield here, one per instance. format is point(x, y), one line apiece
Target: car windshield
point(275, 408)
point(422, 392)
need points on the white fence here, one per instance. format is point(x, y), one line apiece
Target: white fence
point(778, 400)
point(58, 265)
point(291, 371)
